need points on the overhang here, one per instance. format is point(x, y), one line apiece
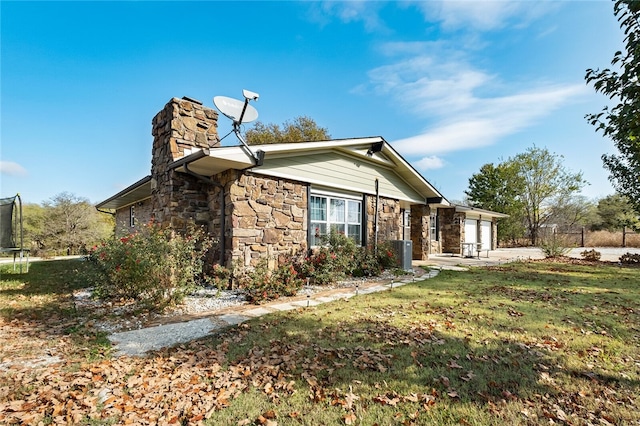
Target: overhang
point(483, 212)
point(375, 151)
point(139, 191)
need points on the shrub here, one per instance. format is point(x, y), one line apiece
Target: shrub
point(386, 256)
point(554, 247)
point(219, 277)
point(261, 284)
point(154, 267)
point(591, 255)
point(630, 258)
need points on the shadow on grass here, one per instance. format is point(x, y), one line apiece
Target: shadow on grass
point(41, 300)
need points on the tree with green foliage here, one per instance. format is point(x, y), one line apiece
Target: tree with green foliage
point(621, 123)
point(546, 182)
point(527, 187)
point(71, 224)
point(301, 129)
point(497, 188)
point(614, 213)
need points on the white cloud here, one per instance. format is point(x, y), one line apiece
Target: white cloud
point(484, 15)
point(485, 120)
point(464, 107)
point(10, 168)
point(363, 11)
point(431, 162)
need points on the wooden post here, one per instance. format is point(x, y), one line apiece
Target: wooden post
point(624, 236)
point(582, 237)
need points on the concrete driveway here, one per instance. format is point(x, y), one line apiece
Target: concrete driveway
point(503, 255)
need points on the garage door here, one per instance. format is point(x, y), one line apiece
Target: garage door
point(485, 234)
point(470, 231)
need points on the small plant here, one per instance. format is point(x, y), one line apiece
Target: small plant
point(591, 255)
point(262, 284)
point(630, 258)
point(219, 277)
point(154, 267)
point(553, 247)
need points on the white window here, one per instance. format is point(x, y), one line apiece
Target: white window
point(433, 227)
point(132, 217)
point(335, 213)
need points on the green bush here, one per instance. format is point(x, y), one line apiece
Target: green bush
point(262, 284)
point(340, 257)
point(154, 267)
point(219, 277)
point(591, 255)
point(554, 247)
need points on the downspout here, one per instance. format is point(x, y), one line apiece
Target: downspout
point(210, 181)
point(375, 221)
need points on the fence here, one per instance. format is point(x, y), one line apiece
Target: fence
point(582, 237)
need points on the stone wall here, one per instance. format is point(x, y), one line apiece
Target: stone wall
point(389, 220)
point(451, 230)
point(183, 126)
point(268, 218)
point(420, 232)
point(143, 214)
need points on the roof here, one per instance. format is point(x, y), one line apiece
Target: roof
point(139, 191)
point(469, 209)
point(209, 162)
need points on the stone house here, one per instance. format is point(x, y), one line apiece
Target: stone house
point(297, 192)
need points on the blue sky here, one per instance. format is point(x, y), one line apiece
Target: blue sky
point(451, 85)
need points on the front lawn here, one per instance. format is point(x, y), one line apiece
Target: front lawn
point(524, 343)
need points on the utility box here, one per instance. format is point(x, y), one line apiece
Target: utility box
point(403, 251)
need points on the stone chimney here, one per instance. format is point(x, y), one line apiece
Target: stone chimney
point(182, 127)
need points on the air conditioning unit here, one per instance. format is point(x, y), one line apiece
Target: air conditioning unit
point(403, 250)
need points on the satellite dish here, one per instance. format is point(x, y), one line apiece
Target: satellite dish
point(240, 112)
point(234, 108)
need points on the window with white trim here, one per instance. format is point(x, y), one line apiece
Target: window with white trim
point(335, 213)
point(132, 216)
point(433, 227)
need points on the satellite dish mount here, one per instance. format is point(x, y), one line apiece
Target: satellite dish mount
point(240, 112)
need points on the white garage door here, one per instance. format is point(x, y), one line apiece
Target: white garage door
point(470, 231)
point(485, 234)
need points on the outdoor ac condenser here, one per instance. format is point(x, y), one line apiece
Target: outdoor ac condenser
point(403, 251)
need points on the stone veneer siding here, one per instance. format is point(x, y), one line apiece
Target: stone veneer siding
point(267, 218)
point(177, 198)
point(142, 214)
point(389, 220)
point(451, 230)
point(420, 232)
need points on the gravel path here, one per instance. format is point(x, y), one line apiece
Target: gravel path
point(233, 310)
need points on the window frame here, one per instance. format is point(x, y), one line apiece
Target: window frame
point(434, 235)
point(348, 201)
point(132, 216)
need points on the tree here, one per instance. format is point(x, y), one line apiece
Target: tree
point(545, 182)
point(615, 212)
point(72, 224)
point(621, 123)
point(529, 187)
point(574, 211)
point(302, 129)
point(34, 226)
point(497, 188)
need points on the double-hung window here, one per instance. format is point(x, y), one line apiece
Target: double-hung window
point(335, 213)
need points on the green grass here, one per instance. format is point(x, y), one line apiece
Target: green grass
point(519, 344)
point(41, 306)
